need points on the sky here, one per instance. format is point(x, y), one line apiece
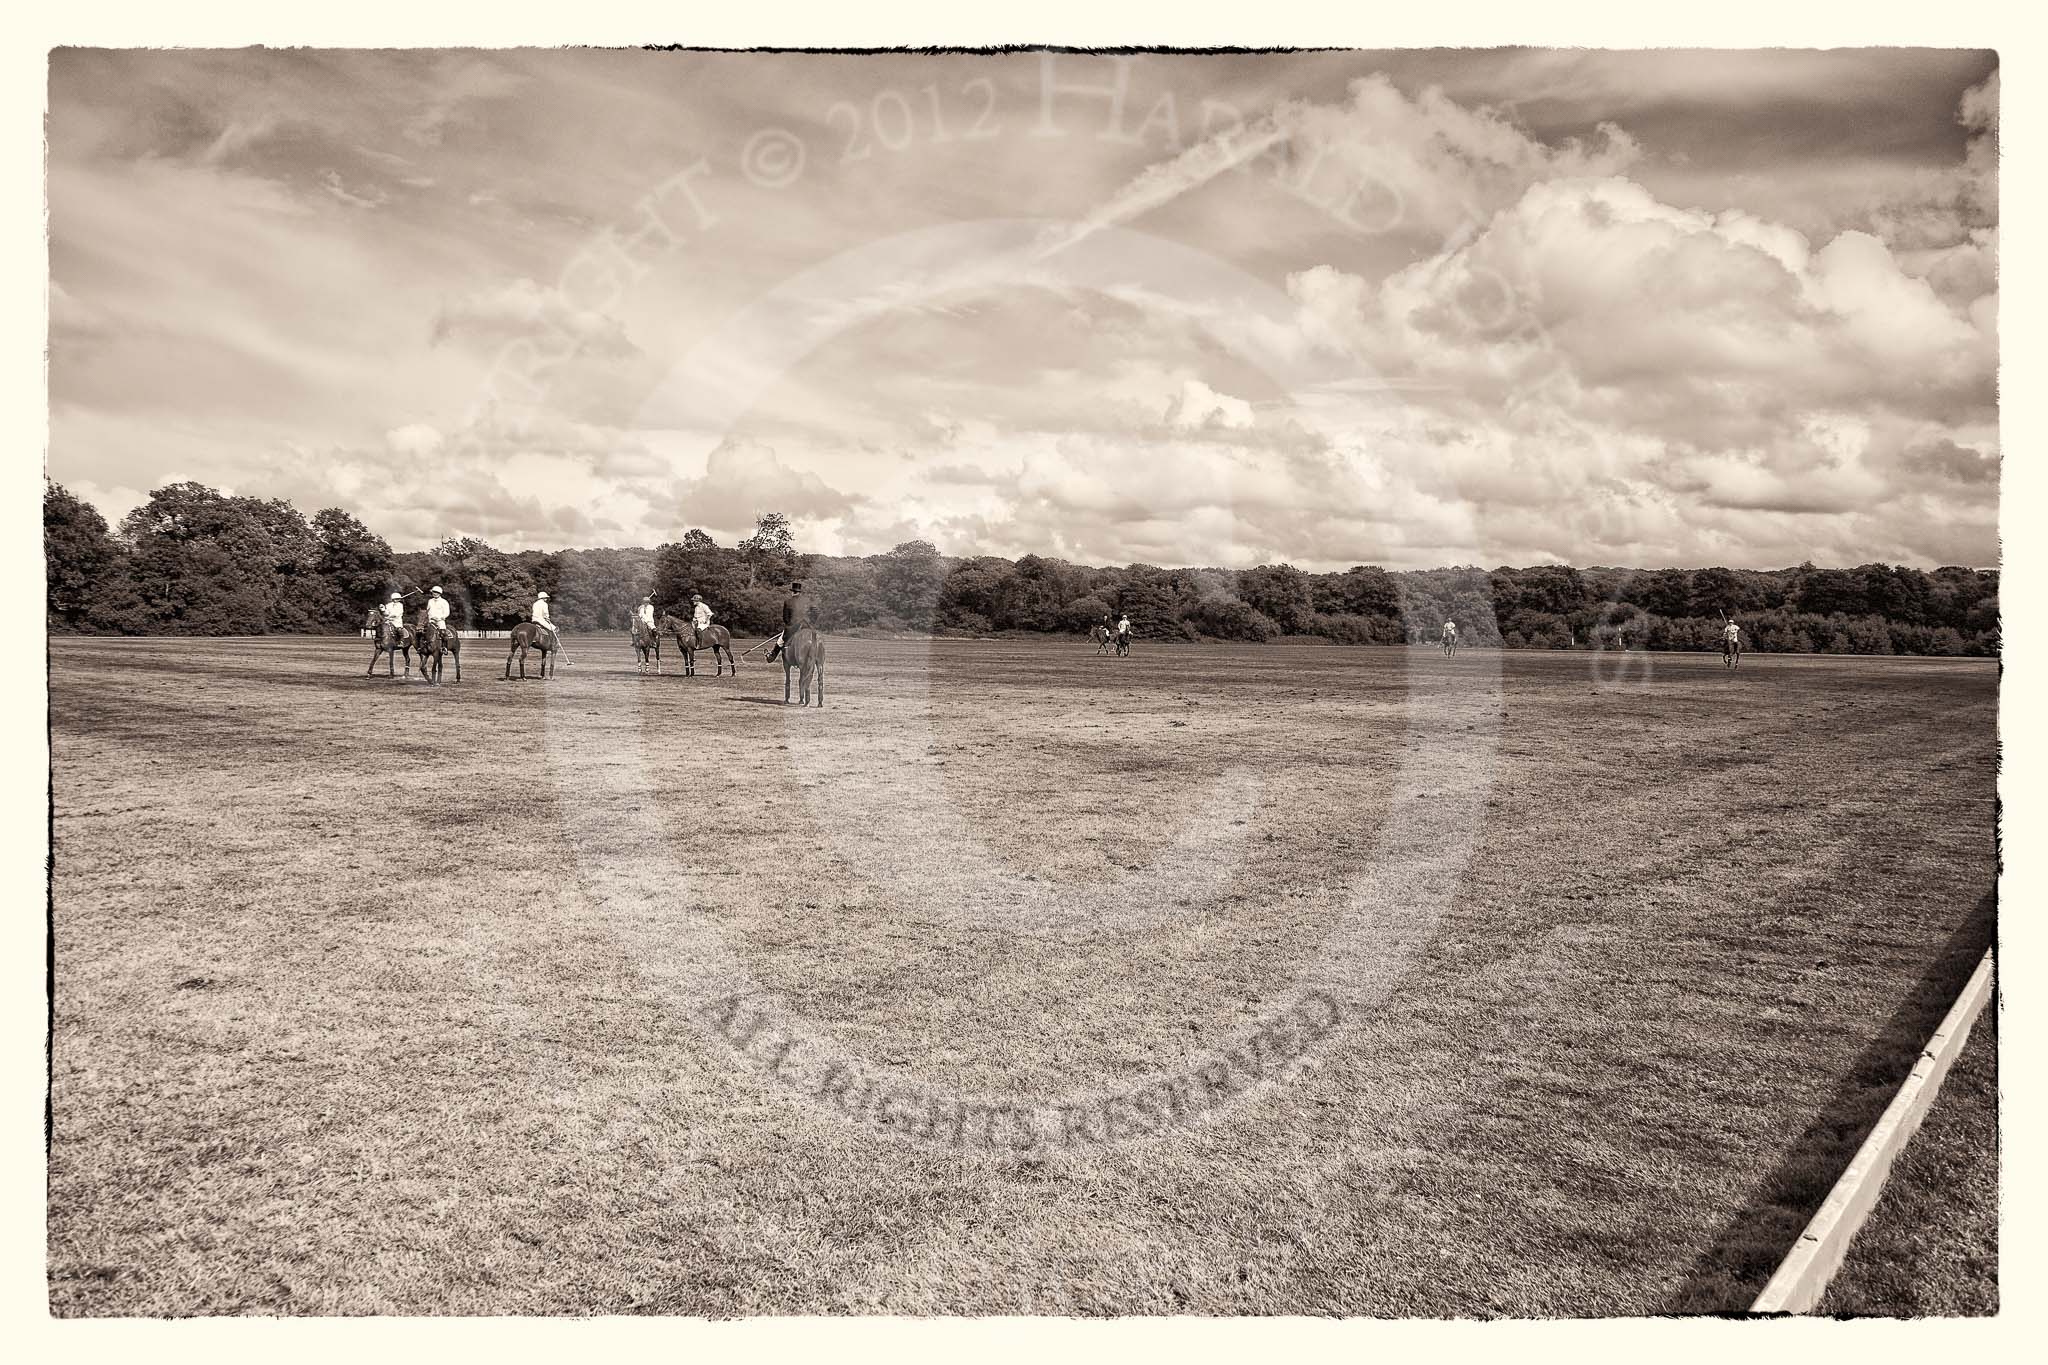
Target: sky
point(1410, 308)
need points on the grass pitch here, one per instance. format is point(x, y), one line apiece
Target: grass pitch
point(369, 1000)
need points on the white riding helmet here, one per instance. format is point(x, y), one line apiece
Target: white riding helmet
point(436, 588)
point(543, 597)
point(397, 596)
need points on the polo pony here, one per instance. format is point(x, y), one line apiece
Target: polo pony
point(717, 639)
point(528, 635)
point(803, 653)
point(432, 643)
point(401, 641)
point(647, 644)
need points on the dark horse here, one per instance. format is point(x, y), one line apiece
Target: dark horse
point(401, 641)
point(804, 654)
point(647, 644)
point(1103, 636)
point(1731, 651)
point(526, 635)
point(717, 639)
point(432, 643)
point(1123, 643)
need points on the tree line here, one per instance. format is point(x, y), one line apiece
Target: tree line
point(196, 561)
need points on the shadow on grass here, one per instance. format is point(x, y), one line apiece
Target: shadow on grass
point(1733, 1271)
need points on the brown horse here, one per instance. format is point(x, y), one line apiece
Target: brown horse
point(401, 641)
point(433, 642)
point(527, 635)
point(1103, 636)
point(717, 639)
point(647, 643)
point(804, 653)
point(1731, 652)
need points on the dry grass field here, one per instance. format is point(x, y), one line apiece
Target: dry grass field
point(373, 998)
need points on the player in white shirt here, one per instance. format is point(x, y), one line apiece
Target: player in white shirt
point(539, 613)
point(394, 617)
point(700, 616)
point(437, 609)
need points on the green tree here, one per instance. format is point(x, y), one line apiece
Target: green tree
point(354, 561)
point(87, 581)
point(770, 553)
point(1281, 593)
point(910, 579)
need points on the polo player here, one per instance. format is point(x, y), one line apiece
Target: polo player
point(646, 614)
point(700, 620)
point(539, 613)
point(394, 620)
point(437, 611)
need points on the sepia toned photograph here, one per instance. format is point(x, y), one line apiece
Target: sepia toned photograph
point(1039, 681)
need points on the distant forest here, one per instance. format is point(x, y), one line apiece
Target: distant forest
point(193, 561)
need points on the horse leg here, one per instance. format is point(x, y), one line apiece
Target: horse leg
point(785, 679)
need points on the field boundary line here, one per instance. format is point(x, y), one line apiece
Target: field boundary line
point(1804, 1274)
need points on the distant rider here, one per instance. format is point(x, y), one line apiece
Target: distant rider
point(1450, 635)
point(646, 613)
point(1731, 635)
point(700, 618)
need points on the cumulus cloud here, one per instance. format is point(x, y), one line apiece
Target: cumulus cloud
point(414, 438)
point(1613, 348)
point(1197, 405)
point(523, 309)
point(741, 480)
point(1529, 320)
